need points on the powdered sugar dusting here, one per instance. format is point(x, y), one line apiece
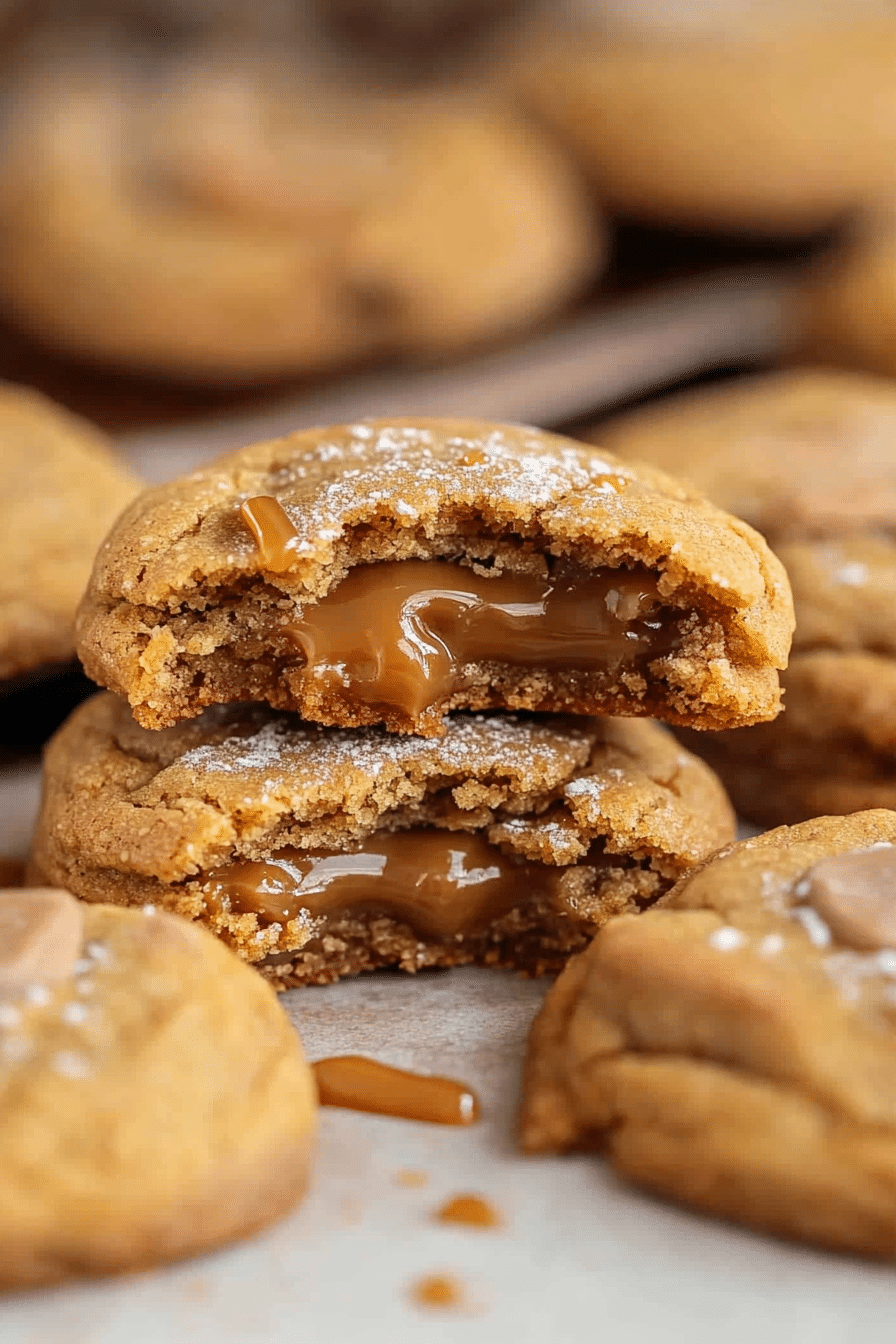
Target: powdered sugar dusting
point(474, 743)
point(516, 471)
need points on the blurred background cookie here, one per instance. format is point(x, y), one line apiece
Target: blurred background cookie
point(227, 215)
point(61, 487)
point(155, 1101)
point(847, 302)
point(809, 458)
point(770, 122)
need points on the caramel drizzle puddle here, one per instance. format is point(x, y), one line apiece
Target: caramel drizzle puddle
point(442, 1291)
point(360, 1084)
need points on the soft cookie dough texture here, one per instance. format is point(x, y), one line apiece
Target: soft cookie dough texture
point(734, 1048)
point(770, 128)
point(60, 490)
point(154, 1101)
point(183, 611)
point(240, 219)
point(614, 810)
point(809, 458)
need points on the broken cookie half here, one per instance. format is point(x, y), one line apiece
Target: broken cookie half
point(319, 852)
point(735, 1047)
point(389, 572)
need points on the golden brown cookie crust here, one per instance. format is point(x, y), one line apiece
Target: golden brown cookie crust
point(155, 1104)
point(134, 816)
point(313, 223)
point(61, 488)
point(182, 613)
point(724, 1049)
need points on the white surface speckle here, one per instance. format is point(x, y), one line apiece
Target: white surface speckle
point(71, 1065)
point(812, 922)
point(727, 939)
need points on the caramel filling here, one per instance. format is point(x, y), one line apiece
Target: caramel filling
point(400, 633)
point(361, 1084)
point(442, 883)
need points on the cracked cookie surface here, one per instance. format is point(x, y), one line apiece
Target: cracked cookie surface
point(189, 606)
point(577, 817)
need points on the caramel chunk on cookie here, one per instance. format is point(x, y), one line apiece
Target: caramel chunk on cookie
point(60, 491)
point(154, 1101)
point(388, 572)
point(734, 1047)
point(320, 852)
point(809, 458)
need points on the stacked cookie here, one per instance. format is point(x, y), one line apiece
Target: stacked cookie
point(809, 459)
point(383, 681)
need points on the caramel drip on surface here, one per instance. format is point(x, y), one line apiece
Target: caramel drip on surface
point(410, 1179)
point(273, 531)
point(437, 1290)
point(442, 883)
point(470, 1210)
point(399, 633)
point(361, 1084)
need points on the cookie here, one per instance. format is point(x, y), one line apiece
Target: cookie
point(847, 302)
point(320, 852)
point(232, 220)
point(772, 129)
point(60, 490)
point(809, 458)
point(734, 1048)
point(155, 1102)
point(390, 571)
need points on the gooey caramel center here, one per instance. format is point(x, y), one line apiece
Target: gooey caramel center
point(442, 883)
point(400, 633)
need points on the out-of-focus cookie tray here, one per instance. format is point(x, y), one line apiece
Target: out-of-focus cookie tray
point(580, 1257)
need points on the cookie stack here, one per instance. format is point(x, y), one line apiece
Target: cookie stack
point(384, 682)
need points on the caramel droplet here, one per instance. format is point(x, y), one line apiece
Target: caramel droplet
point(471, 1210)
point(361, 1084)
point(442, 1291)
point(411, 1180)
point(274, 533)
